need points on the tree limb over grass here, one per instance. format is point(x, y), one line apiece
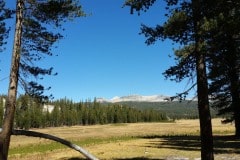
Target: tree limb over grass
point(54, 138)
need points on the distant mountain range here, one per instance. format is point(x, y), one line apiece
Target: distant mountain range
point(136, 98)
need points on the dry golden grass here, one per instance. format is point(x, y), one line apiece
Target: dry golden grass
point(151, 141)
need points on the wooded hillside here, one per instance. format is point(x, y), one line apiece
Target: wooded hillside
point(32, 114)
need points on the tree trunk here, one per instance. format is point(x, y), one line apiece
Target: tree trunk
point(235, 104)
point(234, 88)
point(202, 89)
point(8, 120)
point(204, 111)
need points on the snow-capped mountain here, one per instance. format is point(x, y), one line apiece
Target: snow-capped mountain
point(136, 98)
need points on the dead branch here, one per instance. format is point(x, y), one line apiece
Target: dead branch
point(57, 139)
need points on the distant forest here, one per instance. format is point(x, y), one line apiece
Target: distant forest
point(30, 113)
point(185, 109)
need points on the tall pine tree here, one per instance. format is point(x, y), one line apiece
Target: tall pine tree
point(32, 40)
point(224, 65)
point(184, 27)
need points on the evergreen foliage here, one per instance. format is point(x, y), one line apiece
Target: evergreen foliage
point(186, 109)
point(139, 6)
point(186, 26)
point(30, 113)
point(4, 14)
point(41, 29)
point(224, 61)
point(36, 30)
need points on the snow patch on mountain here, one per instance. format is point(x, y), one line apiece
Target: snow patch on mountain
point(136, 98)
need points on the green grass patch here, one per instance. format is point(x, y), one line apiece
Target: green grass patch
point(50, 146)
point(223, 132)
point(35, 148)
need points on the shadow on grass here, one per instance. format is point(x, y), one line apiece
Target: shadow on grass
point(74, 158)
point(135, 158)
point(222, 144)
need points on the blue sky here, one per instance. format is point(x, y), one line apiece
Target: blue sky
point(103, 55)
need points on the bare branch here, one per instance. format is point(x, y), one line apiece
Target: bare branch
point(57, 139)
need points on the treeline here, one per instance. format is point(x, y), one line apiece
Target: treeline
point(32, 114)
point(186, 109)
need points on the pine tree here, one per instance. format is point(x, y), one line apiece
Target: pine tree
point(23, 114)
point(222, 58)
point(224, 65)
point(30, 46)
point(184, 27)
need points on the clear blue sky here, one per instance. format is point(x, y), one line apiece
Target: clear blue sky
point(103, 55)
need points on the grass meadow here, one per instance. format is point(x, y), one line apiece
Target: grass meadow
point(176, 140)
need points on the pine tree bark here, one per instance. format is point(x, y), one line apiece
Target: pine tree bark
point(234, 89)
point(204, 111)
point(202, 89)
point(8, 120)
point(236, 103)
